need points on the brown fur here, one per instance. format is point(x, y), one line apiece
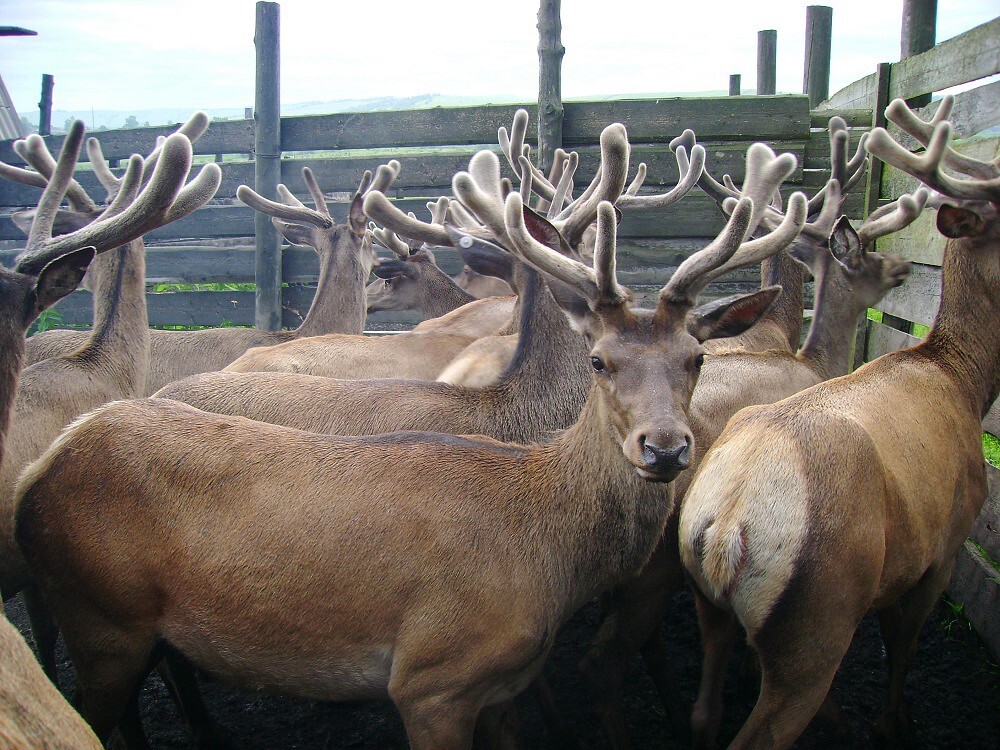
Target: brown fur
point(415, 283)
point(875, 524)
point(481, 362)
point(483, 317)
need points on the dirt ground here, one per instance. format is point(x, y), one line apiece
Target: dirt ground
point(954, 693)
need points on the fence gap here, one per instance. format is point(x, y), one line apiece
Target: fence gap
point(267, 165)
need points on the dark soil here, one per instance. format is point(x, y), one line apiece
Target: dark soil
point(953, 689)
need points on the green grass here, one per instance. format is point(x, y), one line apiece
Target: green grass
point(991, 449)
point(875, 315)
point(47, 320)
point(204, 287)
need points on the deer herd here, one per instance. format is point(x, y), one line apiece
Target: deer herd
point(334, 517)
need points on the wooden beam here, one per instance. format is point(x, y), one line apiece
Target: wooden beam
point(550, 107)
point(918, 34)
point(874, 188)
point(819, 38)
point(767, 61)
point(45, 105)
point(267, 148)
point(734, 84)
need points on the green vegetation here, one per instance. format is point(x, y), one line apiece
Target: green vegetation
point(204, 287)
point(991, 449)
point(47, 320)
point(875, 315)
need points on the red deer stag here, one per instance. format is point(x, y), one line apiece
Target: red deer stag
point(853, 495)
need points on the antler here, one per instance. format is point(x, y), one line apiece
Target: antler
point(513, 148)
point(165, 198)
point(893, 216)
point(927, 168)
point(690, 171)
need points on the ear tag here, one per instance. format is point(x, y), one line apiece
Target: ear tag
point(465, 242)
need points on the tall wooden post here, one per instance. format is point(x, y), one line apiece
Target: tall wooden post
point(734, 84)
point(267, 147)
point(819, 39)
point(767, 61)
point(918, 34)
point(550, 107)
point(45, 105)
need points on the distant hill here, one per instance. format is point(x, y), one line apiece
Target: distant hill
point(111, 119)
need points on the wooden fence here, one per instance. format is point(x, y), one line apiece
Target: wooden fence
point(906, 311)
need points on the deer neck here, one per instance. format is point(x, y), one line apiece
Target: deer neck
point(786, 312)
point(550, 367)
point(339, 305)
point(965, 338)
point(119, 342)
point(829, 343)
point(443, 296)
point(605, 520)
point(11, 360)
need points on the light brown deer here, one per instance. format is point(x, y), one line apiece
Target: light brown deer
point(338, 305)
point(849, 279)
point(442, 589)
point(32, 712)
point(853, 495)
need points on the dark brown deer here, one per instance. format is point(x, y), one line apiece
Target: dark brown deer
point(32, 712)
point(798, 554)
point(441, 589)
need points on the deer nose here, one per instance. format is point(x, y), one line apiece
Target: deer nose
point(663, 460)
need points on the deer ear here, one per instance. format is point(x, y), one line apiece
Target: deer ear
point(60, 277)
point(487, 259)
point(356, 218)
point(64, 223)
point(544, 231)
point(955, 222)
point(297, 234)
point(391, 269)
point(845, 244)
point(730, 316)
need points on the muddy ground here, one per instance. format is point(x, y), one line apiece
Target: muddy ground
point(954, 693)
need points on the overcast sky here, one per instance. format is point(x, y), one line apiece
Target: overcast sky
point(141, 54)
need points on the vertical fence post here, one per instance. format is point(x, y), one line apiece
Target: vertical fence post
point(878, 121)
point(550, 107)
point(819, 37)
point(734, 84)
point(918, 34)
point(767, 61)
point(267, 147)
point(45, 106)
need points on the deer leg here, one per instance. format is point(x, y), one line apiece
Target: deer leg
point(438, 723)
point(900, 625)
point(180, 678)
point(43, 630)
point(497, 728)
point(718, 636)
point(654, 654)
point(561, 736)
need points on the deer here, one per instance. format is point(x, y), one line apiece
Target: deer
point(339, 303)
point(876, 526)
point(849, 280)
point(538, 529)
point(110, 365)
point(32, 711)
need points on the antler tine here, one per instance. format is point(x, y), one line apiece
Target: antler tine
point(101, 169)
point(770, 244)
point(893, 217)
point(287, 197)
point(162, 200)
point(565, 186)
point(193, 129)
point(365, 184)
point(479, 191)
point(277, 210)
point(846, 172)
point(573, 272)
point(640, 177)
point(513, 148)
point(388, 239)
point(927, 168)
point(710, 186)
point(385, 175)
point(23, 176)
point(314, 190)
point(461, 216)
point(906, 120)
point(605, 256)
point(525, 189)
point(765, 173)
point(690, 172)
point(614, 171)
point(438, 209)
point(59, 180)
point(36, 153)
point(378, 207)
point(128, 187)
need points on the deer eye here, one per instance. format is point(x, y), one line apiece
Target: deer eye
point(699, 361)
point(598, 364)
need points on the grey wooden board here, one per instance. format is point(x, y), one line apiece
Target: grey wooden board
point(228, 137)
point(883, 339)
point(966, 57)
point(991, 422)
point(918, 298)
point(859, 94)
point(974, 111)
point(436, 169)
point(817, 154)
point(976, 582)
point(855, 118)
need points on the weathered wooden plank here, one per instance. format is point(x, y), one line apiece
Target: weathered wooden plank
point(966, 57)
point(550, 106)
point(229, 137)
point(883, 339)
point(975, 111)
point(855, 118)
point(857, 95)
point(991, 422)
point(976, 581)
point(660, 120)
point(918, 298)
point(817, 150)
point(767, 57)
point(920, 241)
